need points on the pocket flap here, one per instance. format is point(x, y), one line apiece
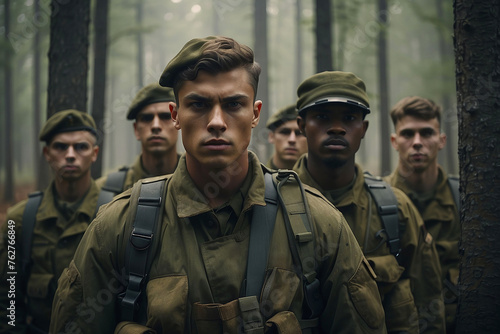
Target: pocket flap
point(39, 285)
point(386, 267)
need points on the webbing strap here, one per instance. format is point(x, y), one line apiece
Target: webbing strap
point(148, 213)
point(112, 187)
point(387, 206)
point(454, 183)
point(29, 220)
point(261, 231)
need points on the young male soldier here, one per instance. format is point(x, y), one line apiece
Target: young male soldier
point(418, 139)
point(332, 108)
point(55, 225)
point(289, 143)
point(196, 282)
point(155, 130)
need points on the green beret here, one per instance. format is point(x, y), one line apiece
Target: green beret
point(288, 113)
point(152, 93)
point(189, 55)
point(332, 87)
point(67, 121)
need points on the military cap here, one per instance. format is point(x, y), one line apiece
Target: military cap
point(288, 113)
point(152, 93)
point(67, 121)
point(189, 54)
point(332, 87)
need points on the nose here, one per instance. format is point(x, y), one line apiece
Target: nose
point(417, 141)
point(293, 137)
point(155, 126)
point(70, 153)
point(336, 127)
point(216, 122)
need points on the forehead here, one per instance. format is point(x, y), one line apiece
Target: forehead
point(73, 137)
point(414, 123)
point(155, 108)
point(292, 124)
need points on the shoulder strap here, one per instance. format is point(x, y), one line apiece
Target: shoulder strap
point(387, 206)
point(454, 183)
point(112, 187)
point(261, 231)
point(137, 262)
point(297, 217)
point(29, 220)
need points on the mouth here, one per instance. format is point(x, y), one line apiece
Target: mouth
point(216, 144)
point(156, 138)
point(418, 157)
point(70, 168)
point(336, 144)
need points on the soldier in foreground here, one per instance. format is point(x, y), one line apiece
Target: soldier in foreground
point(289, 143)
point(418, 140)
point(332, 108)
point(207, 274)
point(46, 229)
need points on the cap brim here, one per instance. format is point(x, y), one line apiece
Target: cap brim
point(336, 99)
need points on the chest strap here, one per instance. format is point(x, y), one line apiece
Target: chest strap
point(112, 187)
point(29, 220)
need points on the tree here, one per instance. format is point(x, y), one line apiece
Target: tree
point(9, 161)
point(298, 45)
point(68, 56)
point(323, 34)
point(477, 58)
point(100, 57)
point(37, 106)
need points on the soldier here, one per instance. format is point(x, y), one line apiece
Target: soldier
point(418, 139)
point(48, 232)
point(198, 280)
point(289, 143)
point(155, 130)
point(332, 108)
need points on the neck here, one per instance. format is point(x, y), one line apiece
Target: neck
point(218, 184)
point(282, 164)
point(329, 178)
point(419, 181)
point(159, 164)
point(72, 190)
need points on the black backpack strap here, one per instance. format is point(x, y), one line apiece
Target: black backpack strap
point(454, 183)
point(146, 224)
point(29, 220)
point(387, 206)
point(297, 217)
point(112, 187)
point(261, 231)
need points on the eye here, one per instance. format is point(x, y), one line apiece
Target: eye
point(285, 132)
point(427, 133)
point(298, 133)
point(145, 118)
point(165, 116)
point(407, 133)
point(81, 147)
point(60, 146)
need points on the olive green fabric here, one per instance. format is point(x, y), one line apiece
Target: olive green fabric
point(270, 164)
point(288, 113)
point(134, 174)
point(152, 93)
point(442, 220)
point(185, 271)
point(331, 84)
point(186, 57)
point(67, 121)
point(55, 240)
point(418, 273)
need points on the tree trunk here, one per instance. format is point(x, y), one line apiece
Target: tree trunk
point(324, 40)
point(298, 46)
point(100, 56)
point(140, 45)
point(9, 161)
point(261, 56)
point(37, 96)
point(383, 83)
point(477, 58)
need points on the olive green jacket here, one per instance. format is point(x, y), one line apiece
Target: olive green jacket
point(135, 173)
point(442, 221)
point(418, 272)
point(54, 243)
point(186, 271)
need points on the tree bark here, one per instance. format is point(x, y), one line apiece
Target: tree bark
point(140, 45)
point(298, 46)
point(37, 97)
point(9, 161)
point(324, 40)
point(99, 96)
point(477, 58)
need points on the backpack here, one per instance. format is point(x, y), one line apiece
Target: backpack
point(454, 183)
point(147, 223)
point(113, 186)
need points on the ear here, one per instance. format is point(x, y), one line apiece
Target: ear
point(270, 137)
point(302, 125)
point(46, 153)
point(393, 142)
point(175, 115)
point(442, 140)
point(95, 153)
point(365, 128)
point(257, 106)
point(136, 132)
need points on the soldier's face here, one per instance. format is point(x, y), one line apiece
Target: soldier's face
point(334, 133)
point(418, 142)
point(216, 114)
point(289, 142)
point(155, 130)
point(71, 154)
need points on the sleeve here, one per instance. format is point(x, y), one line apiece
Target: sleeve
point(422, 267)
point(352, 303)
point(12, 290)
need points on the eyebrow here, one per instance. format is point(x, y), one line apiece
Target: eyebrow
point(197, 97)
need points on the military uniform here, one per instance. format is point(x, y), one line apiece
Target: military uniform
point(134, 173)
point(202, 259)
point(441, 219)
point(414, 281)
point(58, 230)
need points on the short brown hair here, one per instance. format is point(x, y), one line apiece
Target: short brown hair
point(221, 54)
point(416, 106)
